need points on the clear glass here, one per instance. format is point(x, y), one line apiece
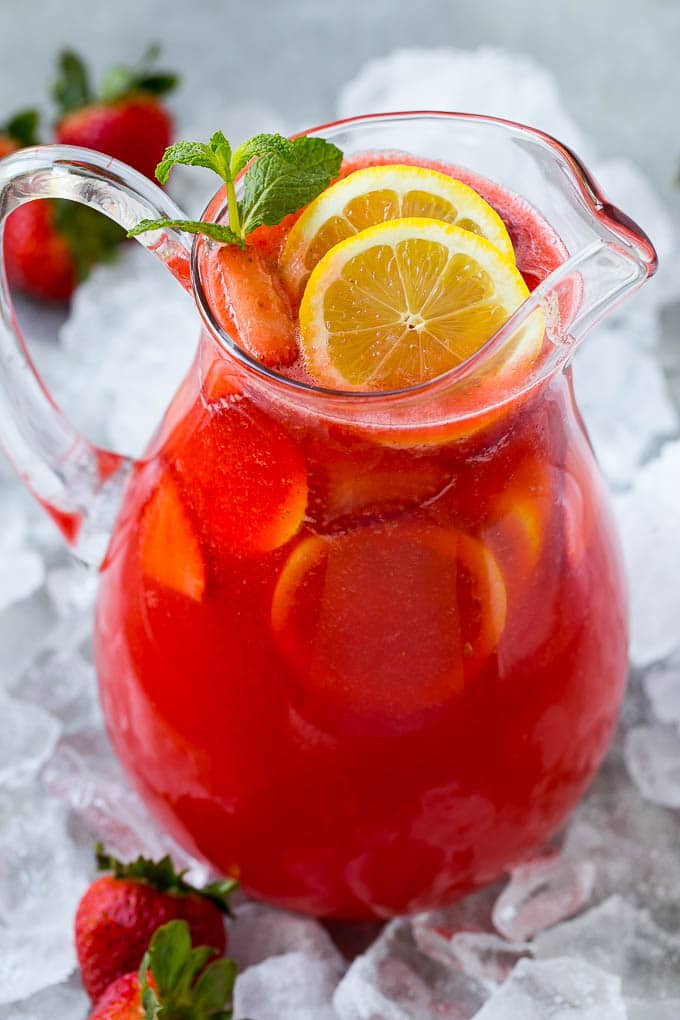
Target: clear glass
point(364, 651)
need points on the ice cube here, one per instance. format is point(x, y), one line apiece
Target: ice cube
point(485, 80)
point(433, 930)
point(653, 759)
point(662, 686)
point(72, 589)
point(633, 845)
point(648, 520)
point(85, 775)
point(613, 361)
point(31, 960)
point(22, 572)
point(65, 685)
point(294, 986)
point(560, 989)
point(259, 932)
point(394, 980)
point(654, 1009)
point(41, 880)
point(540, 893)
point(486, 957)
point(621, 940)
point(29, 735)
point(65, 1001)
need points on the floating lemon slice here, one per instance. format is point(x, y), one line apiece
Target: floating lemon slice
point(380, 193)
point(405, 301)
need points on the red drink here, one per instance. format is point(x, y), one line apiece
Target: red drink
point(363, 666)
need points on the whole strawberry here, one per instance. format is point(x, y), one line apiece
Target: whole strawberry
point(120, 912)
point(50, 244)
point(173, 981)
point(126, 119)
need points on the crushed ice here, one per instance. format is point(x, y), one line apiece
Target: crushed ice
point(590, 933)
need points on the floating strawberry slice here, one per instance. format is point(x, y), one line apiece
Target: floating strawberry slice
point(170, 551)
point(244, 479)
point(248, 298)
point(520, 518)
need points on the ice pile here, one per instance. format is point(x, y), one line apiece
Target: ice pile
point(587, 932)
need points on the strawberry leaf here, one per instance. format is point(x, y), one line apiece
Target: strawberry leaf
point(91, 237)
point(176, 983)
point(22, 128)
point(71, 89)
point(169, 957)
point(121, 81)
point(215, 986)
point(161, 874)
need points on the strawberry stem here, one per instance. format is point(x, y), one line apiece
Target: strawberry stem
point(161, 875)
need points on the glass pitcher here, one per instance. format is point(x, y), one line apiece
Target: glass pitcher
point(362, 651)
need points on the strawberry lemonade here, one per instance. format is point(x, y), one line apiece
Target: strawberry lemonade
point(364, 651)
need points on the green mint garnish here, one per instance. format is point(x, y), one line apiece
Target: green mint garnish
point(284, 175)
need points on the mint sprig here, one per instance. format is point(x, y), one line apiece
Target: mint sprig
point(284, 175)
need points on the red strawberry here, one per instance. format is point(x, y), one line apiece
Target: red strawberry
point(38, 258)
point(120, 912)
point(50, 245)
point(173, 981)
point(126, 120)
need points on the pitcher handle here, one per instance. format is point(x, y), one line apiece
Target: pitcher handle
point(78, 483)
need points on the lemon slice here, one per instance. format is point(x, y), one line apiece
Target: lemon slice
point(405, 301)
point(380, 193)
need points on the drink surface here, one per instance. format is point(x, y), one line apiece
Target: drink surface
point(363, 674)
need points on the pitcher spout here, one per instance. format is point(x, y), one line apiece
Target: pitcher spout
point(614, 258)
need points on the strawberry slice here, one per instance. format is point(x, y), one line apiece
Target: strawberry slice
point(248, 299)
point(169, 550)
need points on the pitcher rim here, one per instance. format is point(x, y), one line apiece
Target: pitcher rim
point(613, 219)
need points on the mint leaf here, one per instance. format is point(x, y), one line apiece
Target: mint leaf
point(215, 156)
point(284, 175)
point(318, 154)
point(259, 145)
point(71, 90)
point(215, 231)
point(280, 183)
